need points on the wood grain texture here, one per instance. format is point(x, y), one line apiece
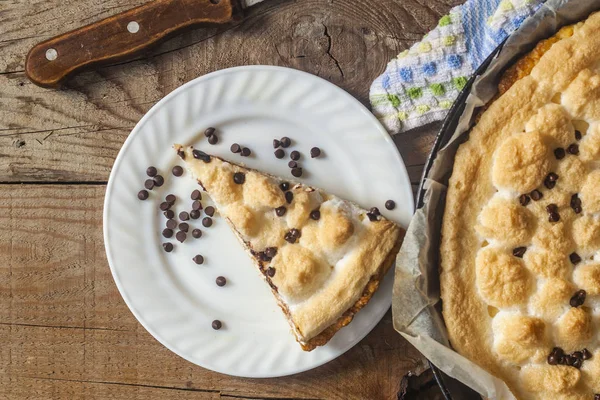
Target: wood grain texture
point(65, 330)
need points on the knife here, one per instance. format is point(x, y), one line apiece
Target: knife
point(124, 36)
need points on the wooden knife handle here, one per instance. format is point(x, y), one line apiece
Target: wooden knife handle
point(120, 37)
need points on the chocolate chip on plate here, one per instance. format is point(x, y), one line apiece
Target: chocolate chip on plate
point(276, 143)
point(573, 149)
point(209, 131)
point(171, 199)
point(315, 152)
point(210, 211)
point(216, 324)
point(559, 153)
point(213, 139)
point(279, 153)
point(280, 211)
point(200, 155)
point(164, 206)
point(292, 164)
point(284, 186)
point(575, 258)
point(578, 135)
point(221, 281)
point(158, 180)
point(196, 205)
point(184, 216)
point(196, 195)
point(239, 178)
point(171, 224)
point(271, 272)
point(578, 298)
point(151, 172)
point(315, 214)
point(195, 214)
point(198, 259)
point(167, 232)
point(536, 195)
point(246, 152)
point(297, 172)
point(289, 197)
point(168, 247)
point(207, 222)
point(285, 142)
point(235, 148)
point(197, 233)
point(169, 214)
point(390, 204)
point(143, 194)
point(295, 155)
point(184, 226)
point(181, 236)
point(177, 170)
point(149, 184)
point(524, 199)
point(519, 252)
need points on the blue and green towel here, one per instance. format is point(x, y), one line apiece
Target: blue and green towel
point(421, 83)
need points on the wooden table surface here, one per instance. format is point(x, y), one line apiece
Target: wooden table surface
point(65, 332)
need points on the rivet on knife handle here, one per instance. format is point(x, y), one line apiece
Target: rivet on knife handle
point(120, 37)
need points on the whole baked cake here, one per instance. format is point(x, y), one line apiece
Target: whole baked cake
point(520, 252)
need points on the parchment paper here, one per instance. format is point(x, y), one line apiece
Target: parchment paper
point(416, 285)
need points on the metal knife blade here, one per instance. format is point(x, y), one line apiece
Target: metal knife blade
point(250, 3)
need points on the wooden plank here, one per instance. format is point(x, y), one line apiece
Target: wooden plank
point(74, 134)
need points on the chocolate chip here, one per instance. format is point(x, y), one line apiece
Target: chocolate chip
point(164, 206)
point(216, 324)
point(171, 199)
point(293, 164)
point(573, 149)
point(221, 281)
point(552, 177)
point(586, 354)
point(195, 214)
point(519, 252)
point(554, 217)
point(276, 143)
point(375, 211)
point(549, 183)
point(559, 153)
point(569, 360)
point(262, 256)
point(177, 170)
point(372, 217)
point(196, 195)
point(575, 259)
point(578, 298)
point(315, 214)
point(246, 152)
point(169, 214)
point(552, 360)
point(207, 222)
point(184, 226)
point(578, 354)
point(279, 153)
point(184, 216)
point(295, 155)
point(577, 363)
point(167, 232)
point(297, 172)
point(285, 142)
point(292, 235)
point(198, 259)
point(235, 148)
point(213, 139)
point(271, 251)
point(280, 211)
point(197, 233)
point(576, 204)
point(390, 204)
point(168, 247)
point(271, 272)
point(196, 205)
point(597, 397)
point(536, 195)
point(181, 154)
point(315, 152)
point(151, 172)
point(143, 194)
point(524, 200)
point(289, 197)
point(171, 224)
point(209, 132)
point(284, 186)
point(200, 155)
point(552, 208)
point(558, 352)
point(210, 211)
point(239, 178)
point(149, 184)
point(181, 236)
point(577, 210)
point(578, 135)
point(159, 180)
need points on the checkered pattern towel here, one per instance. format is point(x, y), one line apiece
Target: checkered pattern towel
point(420, 85)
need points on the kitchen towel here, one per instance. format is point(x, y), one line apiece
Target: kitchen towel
point(421, 83)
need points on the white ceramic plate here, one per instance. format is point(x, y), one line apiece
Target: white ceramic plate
point(175, 299)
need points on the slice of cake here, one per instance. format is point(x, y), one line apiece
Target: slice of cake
point(322, 256)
